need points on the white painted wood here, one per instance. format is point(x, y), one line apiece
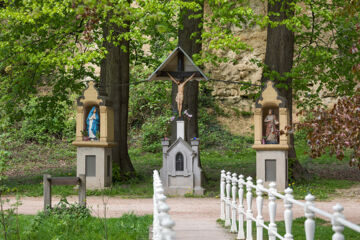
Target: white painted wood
point(309, 222)
point(233, 203)
point(272, 211)
point(222, 195)
point(338, 220)
point(162, 222)
point(249, 212)
point(241, 209)
point(227, 201)
point(337, 227)
point(259, 207)
point(288, 214)
point(167, 224)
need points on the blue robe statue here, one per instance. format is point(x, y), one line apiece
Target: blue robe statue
point(93, 123)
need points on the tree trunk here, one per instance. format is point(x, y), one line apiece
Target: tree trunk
point(279, 57)
point(114, 75)
point(191, 91)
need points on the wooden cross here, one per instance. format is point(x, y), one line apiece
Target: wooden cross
point(180, 74)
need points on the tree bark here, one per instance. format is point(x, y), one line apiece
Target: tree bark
point(191, 91)
point(114, 75)
point(279, 57)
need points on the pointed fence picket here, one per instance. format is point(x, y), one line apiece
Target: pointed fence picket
point(232, 210)
point(162, 222)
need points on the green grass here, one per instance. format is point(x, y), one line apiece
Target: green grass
point(323, 229)
point(233, 154)
point(322, 189)
point(213, 161)
point(128, 227)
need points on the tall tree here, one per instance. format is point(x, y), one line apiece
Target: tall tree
point(189, 39)
point(279, 58)
point(114, 74)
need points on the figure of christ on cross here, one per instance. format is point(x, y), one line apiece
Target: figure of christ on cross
point(180, 93)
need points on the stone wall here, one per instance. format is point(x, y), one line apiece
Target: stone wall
point(234, 101)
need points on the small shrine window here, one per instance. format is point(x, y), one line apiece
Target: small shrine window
point(179, 162)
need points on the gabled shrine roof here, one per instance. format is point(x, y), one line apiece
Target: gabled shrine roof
point(171, 63)
point(180, 141)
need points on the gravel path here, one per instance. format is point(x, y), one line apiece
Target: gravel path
point(195, 218)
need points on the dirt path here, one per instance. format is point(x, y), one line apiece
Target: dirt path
point(195, 218)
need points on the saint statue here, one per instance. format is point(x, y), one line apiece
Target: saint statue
point(180, 94)
point(271, 123)
point(93, 122)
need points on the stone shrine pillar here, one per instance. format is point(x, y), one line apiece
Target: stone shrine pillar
point(270, 117)
point(94, 138)
point(181, 172)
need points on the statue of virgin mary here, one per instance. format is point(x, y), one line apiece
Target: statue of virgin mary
point(92, 123)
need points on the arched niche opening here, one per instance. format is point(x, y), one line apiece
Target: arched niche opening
point(179, 162)
point(87, 110)
point(270, 124)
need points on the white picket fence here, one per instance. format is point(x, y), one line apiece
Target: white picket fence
point(232, 186)
point(162, 222)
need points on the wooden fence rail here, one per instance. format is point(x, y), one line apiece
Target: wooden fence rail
point(233, 209)
point(50, 181)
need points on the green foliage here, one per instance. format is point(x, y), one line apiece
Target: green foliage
point(327, 55)
point(4, 163)
point(150, 112)
point(48, 48)
point(44, 119)
point(65, 210)
point(153, 131)
point(222, 19)
point(40, 55)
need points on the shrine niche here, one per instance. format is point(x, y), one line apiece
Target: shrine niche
point(94, 137)
point(270, 117)
point(270, 100)
point(103, 114)
point(181, 172)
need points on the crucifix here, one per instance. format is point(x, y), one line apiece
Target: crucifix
point(180, 94)
point(183, 77)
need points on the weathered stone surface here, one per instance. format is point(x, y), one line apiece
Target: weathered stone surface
point(188, 178)
point(103, 166)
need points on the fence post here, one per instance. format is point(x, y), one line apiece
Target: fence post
point(166, 223)
point(272, 211)
point(82, 190)
point(167, 232)
point(336, 226)
point(288, 214)
point(259, 206)
point(222, 194)
point(160, 197)
point(309, 223)
point(233, 203)
point(47, 191)
point(227, 201)
point(249, 209)
point(158, 191)
point(241, 234)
